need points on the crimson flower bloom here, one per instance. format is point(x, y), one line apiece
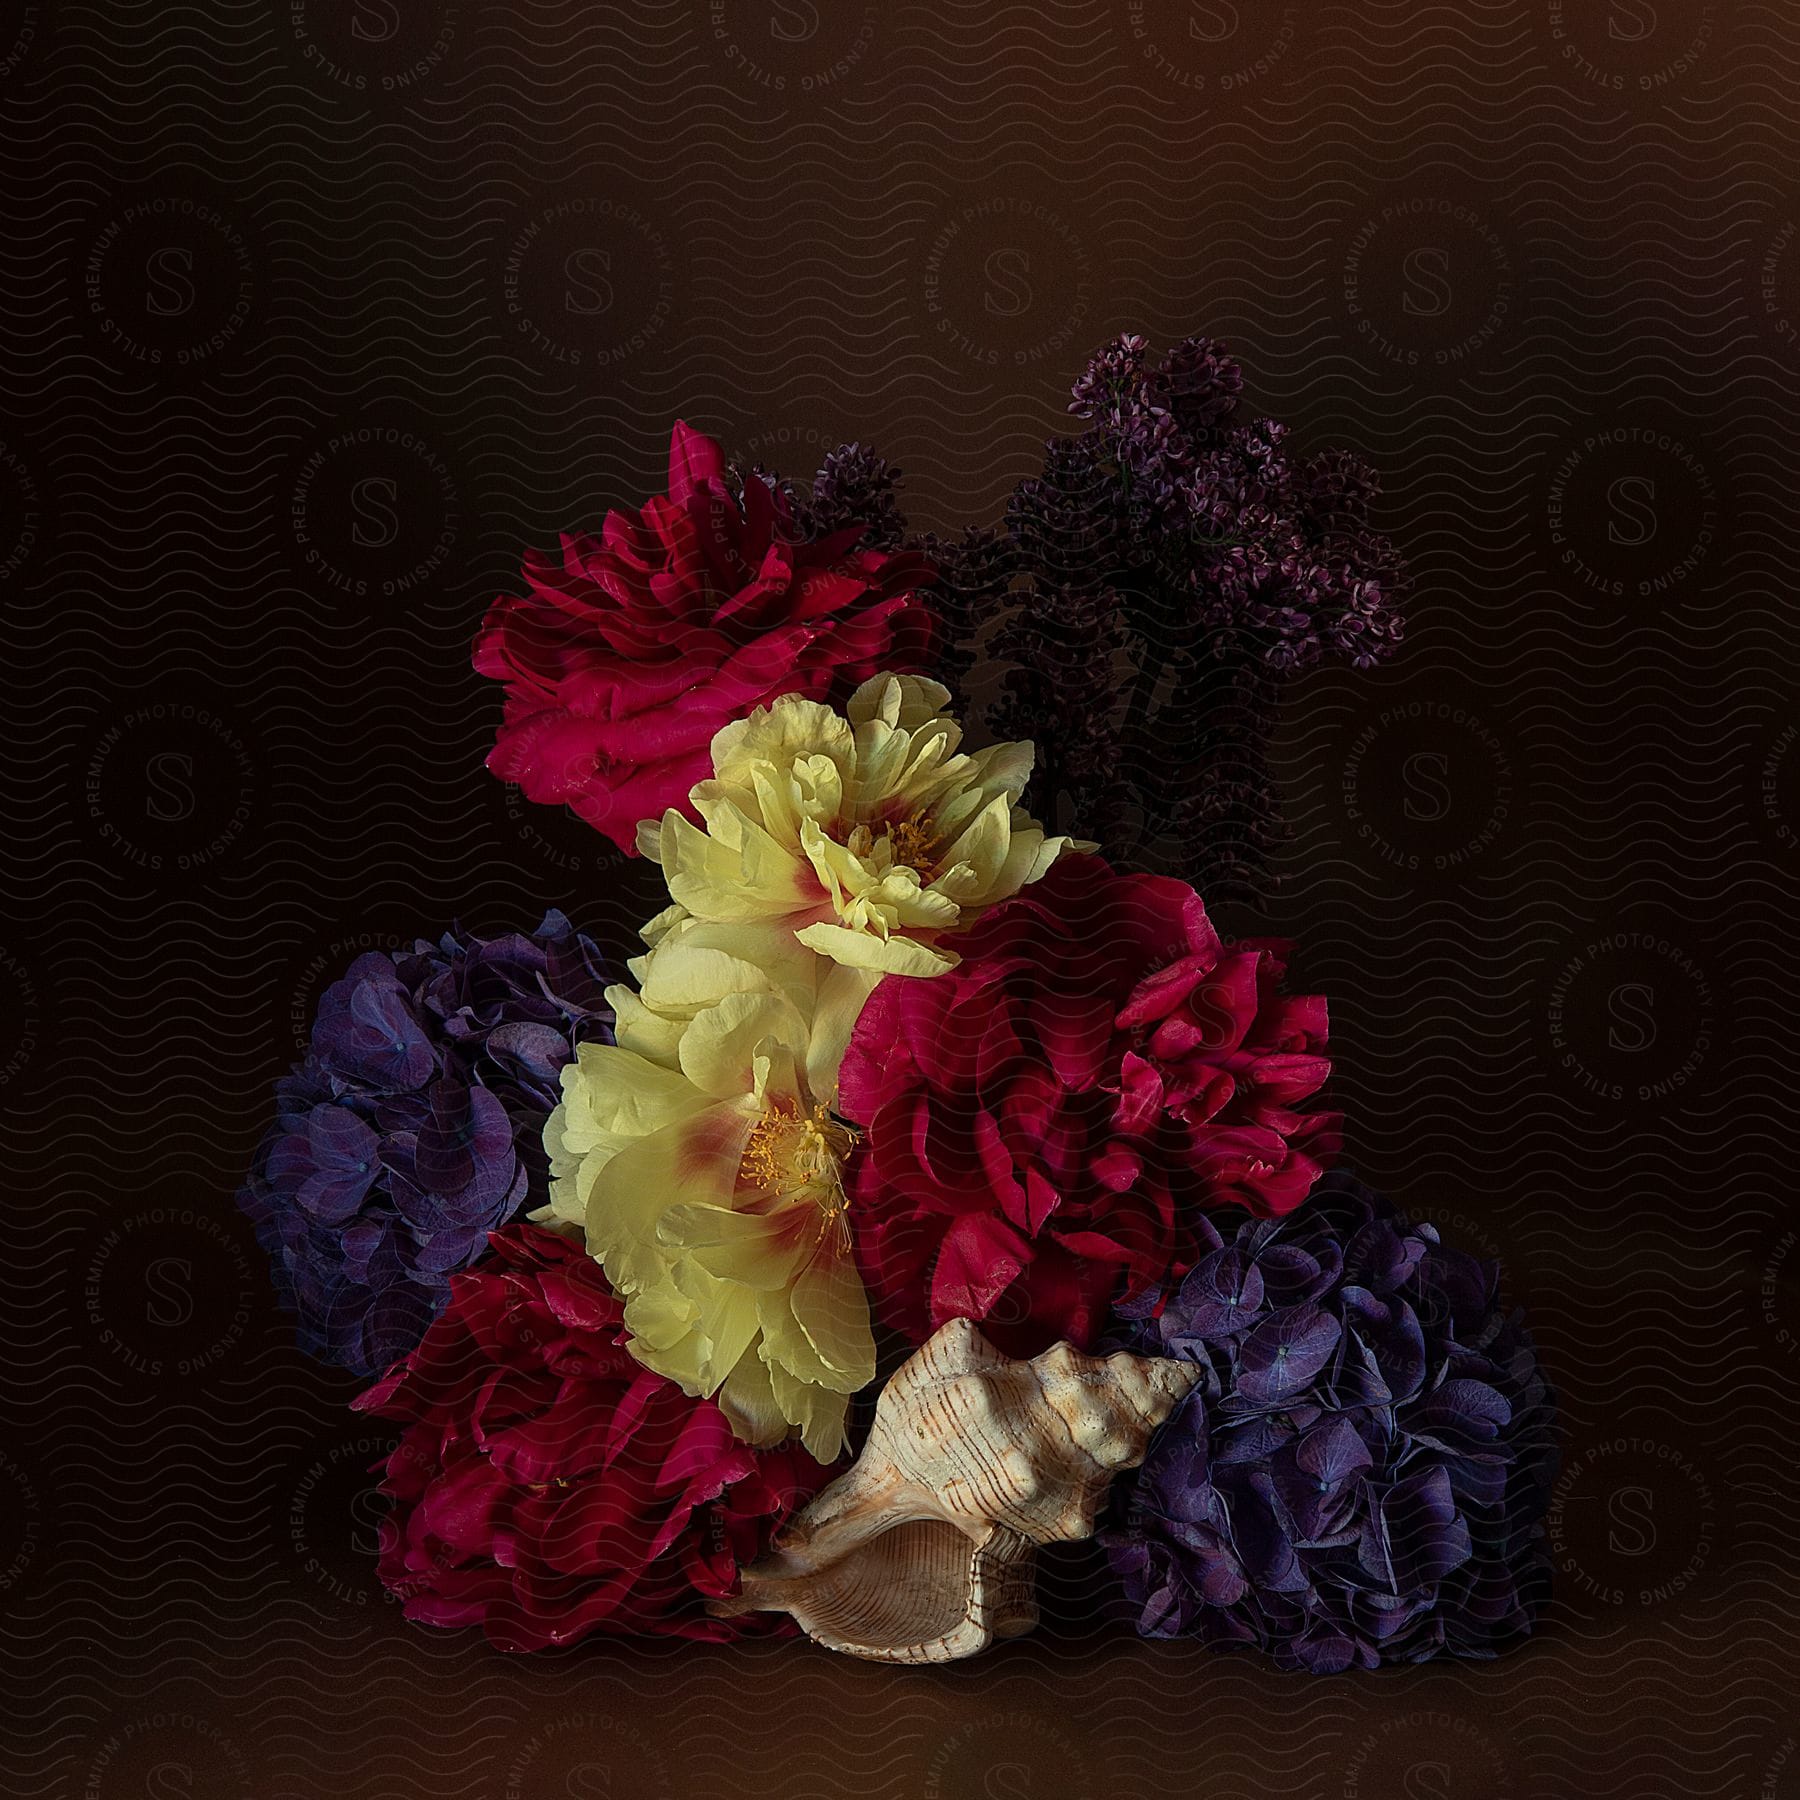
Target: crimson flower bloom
point(548, 1485)
point(1046, 1125)
point(622, 661)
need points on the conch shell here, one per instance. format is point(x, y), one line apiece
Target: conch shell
point(924, 1551)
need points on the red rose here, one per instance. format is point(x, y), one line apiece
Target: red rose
point(621, 664)
point(549, 1485)
point(1045, 1124)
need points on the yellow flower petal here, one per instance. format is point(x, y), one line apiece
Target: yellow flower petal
point(868, 826)
point(657, 928)
point(819, 1412)
point(696, 1159)
point(791, 728)
point(821, 1334)
point(750, 1407)
point(696, 1336)
point(609, 1092)
point(982, 849)
point(838, 1000)
point(649, 839)
point(720, 1047)
point(706, 872)
point(1004, 768)
point(759, 1251)
point(886, 956)
point(611, 1097)
point(655, 1036)
point(906, 701)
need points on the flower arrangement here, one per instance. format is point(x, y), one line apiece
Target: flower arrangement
point(907, 1061)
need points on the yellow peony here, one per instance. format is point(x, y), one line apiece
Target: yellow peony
point(701, 1158)
point(866, 836)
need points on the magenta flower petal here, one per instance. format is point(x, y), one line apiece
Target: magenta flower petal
point(547, 1486)
point(623, 661)
point(1077, 1085)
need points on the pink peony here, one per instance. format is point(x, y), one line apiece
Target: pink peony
point(548, 1485)
point(1046, 1124)
point(621, 663)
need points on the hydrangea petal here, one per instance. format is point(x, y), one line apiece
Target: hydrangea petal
point(412, 1128)
point(1386, 1507)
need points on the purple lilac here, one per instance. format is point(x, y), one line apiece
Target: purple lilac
point(1177, 562)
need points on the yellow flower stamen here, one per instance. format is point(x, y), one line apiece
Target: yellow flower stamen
point(792, 1154)
point(911, 842)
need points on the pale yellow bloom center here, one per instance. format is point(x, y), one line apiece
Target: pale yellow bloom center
point(911, 844)
point(793, 1154)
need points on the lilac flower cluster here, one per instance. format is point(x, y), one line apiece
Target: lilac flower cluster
point(1361, 1475)
point(413, 1128)
point(1149, 593)
point(1217, 512)
point(856, 486)
point(1173, 565)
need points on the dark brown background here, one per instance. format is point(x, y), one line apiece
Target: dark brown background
point(313, 314)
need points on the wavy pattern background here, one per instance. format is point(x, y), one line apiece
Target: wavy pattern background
point(314, 315)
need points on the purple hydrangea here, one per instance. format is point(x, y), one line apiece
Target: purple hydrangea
point(412, 1128)
point(1361, 1475)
